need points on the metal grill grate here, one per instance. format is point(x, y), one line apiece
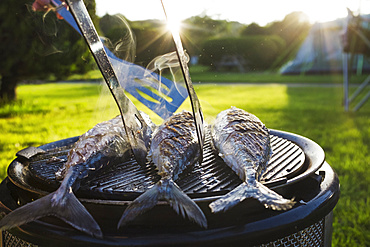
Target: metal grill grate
point(286, 159)
point(9, 240)
point(295, 159)
point(312, 236)
point(211, 177)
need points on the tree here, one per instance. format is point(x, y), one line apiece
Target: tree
point(198, 29)
point(293, 29)
point(294, 26)
point(34, 46)
point(136, 41)
point(118, 36)
point(254, 29)
point(257, 51)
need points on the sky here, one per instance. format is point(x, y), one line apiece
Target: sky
point(243, 11)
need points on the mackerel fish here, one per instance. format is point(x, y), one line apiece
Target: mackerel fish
point(94, 150)
point(174, 147)
point(243, 142)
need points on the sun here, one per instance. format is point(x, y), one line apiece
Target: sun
point(171, 12)
point(320, 13)
point(174, 25)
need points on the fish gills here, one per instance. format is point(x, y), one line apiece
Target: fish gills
point(174, 147)
point(243, 142)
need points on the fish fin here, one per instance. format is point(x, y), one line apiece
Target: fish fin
point(170, 192)
point(184, 205)
point(273, 200)
point(140, 205)
point(230, 199)
point(260, 192)
point(68, 209)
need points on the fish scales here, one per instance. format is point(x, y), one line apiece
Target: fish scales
point(243, 142)
point(174, 147)
point(107, 140)
point(176, 144)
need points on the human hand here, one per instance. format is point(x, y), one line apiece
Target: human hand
point(44, 5)
point(41, 5)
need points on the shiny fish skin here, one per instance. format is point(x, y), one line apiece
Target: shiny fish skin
point(103, 143)
point(174, 147)
point(243, 142)
point(94, 150)
point(106, 140)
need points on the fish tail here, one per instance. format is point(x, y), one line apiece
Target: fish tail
point(140, 205)
point(273, 200)
point(269, 198)
point(169, 191)
point(184, 205)
point(63, 205)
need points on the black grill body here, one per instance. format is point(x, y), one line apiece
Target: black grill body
point(297, 169)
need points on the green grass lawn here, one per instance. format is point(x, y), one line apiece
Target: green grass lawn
point(50, 112)
point(204, 74)
point(201, 74)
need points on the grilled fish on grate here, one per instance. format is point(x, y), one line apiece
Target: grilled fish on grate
point(94, 150)
point(243, 142)
point(174, 147)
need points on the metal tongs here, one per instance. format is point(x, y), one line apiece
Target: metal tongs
point(133, 122)
point(195, 104)
point(143, 84)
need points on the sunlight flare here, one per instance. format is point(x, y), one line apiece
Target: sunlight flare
point(174, 25)
point(174, 22)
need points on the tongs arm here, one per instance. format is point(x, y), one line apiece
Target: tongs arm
point(133, 122)
point(195, 104)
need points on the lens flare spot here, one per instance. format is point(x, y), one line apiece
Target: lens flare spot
point(174, 25)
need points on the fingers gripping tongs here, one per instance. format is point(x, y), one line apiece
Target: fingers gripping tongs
point(133, 122)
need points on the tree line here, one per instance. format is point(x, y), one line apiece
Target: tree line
point(38, 46)
point(267, 47)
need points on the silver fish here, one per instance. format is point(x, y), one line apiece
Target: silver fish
point(94, 150)
point(243, 142)
point(174, 147)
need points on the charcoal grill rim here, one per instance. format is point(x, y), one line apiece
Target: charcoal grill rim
point(291, 221)
point(311, 149)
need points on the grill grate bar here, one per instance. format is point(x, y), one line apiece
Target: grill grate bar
point(126, 176)
point(280, 148)
point(189, 183)
point(274, 140)
point(283, 163)
point(216, 179)
point(131, 182)
point(106, 178)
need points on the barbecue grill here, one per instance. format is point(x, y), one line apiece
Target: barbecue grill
point(297, 169)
